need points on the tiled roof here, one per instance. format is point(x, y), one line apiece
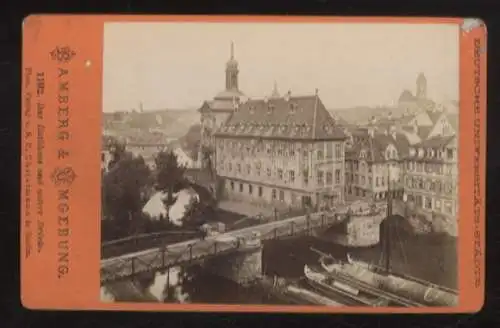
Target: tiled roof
point(435, 142)
point(300, 117)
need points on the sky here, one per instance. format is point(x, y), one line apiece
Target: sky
point(179, 65)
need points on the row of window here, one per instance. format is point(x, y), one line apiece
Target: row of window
point(260, 191)
point(430, 168)
point(288, 176)
point(429, 185)
point(354, 165)
point(449, 153)
point(430, 203)
point(329, 177)
point(361, 180)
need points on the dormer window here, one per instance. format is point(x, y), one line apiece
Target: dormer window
point(412, 151)
point(420, 152)
point(362, 154)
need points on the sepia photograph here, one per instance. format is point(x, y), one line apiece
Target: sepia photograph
point(280, 163)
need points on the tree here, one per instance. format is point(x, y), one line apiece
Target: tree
point(170, 174)
point(122, 189)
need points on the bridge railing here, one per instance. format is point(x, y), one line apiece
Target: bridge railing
point(165, 257)
point(142, 241)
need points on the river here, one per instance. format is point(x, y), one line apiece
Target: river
point(429, 257)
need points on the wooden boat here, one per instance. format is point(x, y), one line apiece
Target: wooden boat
point(403, 287)
point(339, 290)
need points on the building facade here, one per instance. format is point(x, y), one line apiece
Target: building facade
point(285, 152)
point(372, 162)
point(431, 175)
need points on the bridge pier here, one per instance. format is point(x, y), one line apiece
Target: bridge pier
point(242, 267)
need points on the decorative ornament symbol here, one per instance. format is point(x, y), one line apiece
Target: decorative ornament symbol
point(62, 54)
point(63, 176)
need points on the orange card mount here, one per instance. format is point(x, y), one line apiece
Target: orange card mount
point(278, 164)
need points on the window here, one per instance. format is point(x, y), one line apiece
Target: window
point(370, 181)
point(268, 172)
point(448, 207)
point(291, 176)
point(320, 154)
point(329, 178)
point(280, 174)
point(449, 153)
point(356, 179)
point(382, 181)
point(437, 204)
point(369, 168)
point(241, 187)
point(337, 176)
point(320, 178)
point(260, 191)
point(305, 175)
point(232, 185)
point(329, 150)
point(249, 169)
point(230, 167)
point(428, 203)
point(238, 168)
point(282, 196)
point(338, 151)
point(377, 182)
point(418, 200)
point(274, 194)
point(250, 189)
point(363, 180)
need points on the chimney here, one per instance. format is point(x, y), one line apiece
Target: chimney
point(389, 115)
point(288, 95)
point(373, 120)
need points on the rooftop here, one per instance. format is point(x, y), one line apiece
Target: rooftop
point(290, 117)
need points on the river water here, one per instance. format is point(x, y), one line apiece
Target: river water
point(429, 257)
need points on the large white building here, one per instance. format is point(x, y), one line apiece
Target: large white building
point(283, 152)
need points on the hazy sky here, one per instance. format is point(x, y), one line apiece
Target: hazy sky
point(179, 65)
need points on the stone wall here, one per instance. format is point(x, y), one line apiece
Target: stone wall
point(242, 267)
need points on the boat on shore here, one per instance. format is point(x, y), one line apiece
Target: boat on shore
point(412, 289)
point(402, 288)
point(339, 290)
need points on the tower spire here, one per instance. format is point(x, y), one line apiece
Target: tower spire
point(275, 93)
point(232, 50)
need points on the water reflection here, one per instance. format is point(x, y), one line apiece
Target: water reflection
point(433, 258)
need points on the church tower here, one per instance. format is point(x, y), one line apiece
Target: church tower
point(421, 86)
point(232, 71)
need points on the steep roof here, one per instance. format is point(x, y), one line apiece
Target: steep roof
point(453, 120)
point(299, 117)
point(423, 131)
point(376, 146)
